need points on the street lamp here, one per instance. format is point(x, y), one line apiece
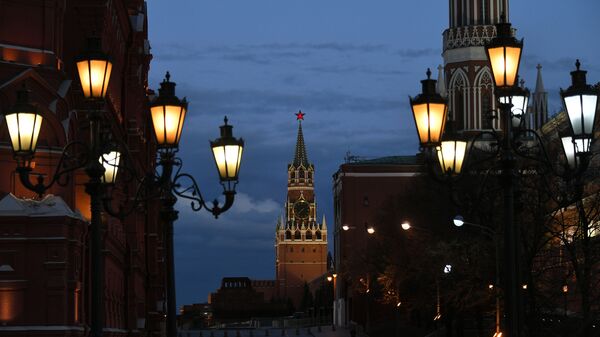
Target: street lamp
point(227, 152)
point(458, 221)
point(406, 226)
point(110, 162)
point(168, 114)
point(94, 68)
point(519, 98)
point(504, 54)
point(581, 101)
point(24, 124)
point(451, 155)
point(102, 165)
point(429, 111)
point(370, 229)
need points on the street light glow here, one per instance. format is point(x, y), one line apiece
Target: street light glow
point(370, 229)
point(346, 227)
point(458, 221)
point(405, 226)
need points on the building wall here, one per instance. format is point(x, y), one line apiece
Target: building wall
point(39, 40)
point(360, 190)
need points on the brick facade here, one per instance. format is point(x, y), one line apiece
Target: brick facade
point(39, 41)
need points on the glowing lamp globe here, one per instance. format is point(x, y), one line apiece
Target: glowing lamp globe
point(168, 114)
point(94, 69)
point(580, 101)
point(227, 152)
point(24, 124)
point(429, 111)
point(110, 162)
point(519, 99)
point(458, 221)
point(451, 155)
point(573, 148)
point(504, 54)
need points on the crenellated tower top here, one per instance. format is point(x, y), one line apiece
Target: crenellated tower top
point(477, 12)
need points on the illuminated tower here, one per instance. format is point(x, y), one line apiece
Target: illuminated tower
point(301, 241)
point(466, 67)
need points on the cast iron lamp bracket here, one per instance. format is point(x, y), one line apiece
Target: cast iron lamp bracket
point(185, 186)
point(67, 163)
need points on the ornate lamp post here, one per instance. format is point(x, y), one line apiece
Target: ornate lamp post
point(504, 53)
point(101, 166)
point(581, 101)
point(168, 116)
point(429, 111)
point(25, 123)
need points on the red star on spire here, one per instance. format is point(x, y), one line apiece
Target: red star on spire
point(300, 116)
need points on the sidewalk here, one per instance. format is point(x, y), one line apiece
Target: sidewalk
point(326, 331)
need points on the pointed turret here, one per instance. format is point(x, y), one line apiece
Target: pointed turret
point(441, 83)
point(279, 222)
point(539, 83)
point(324, 224)
point(539, 107)
point(300, 157)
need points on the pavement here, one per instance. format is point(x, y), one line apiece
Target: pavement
point(326, 331)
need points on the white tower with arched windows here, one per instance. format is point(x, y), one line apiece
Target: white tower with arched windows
point(468, 78)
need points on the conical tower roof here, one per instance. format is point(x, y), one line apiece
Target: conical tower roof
point(300, 157)
point(539, 84)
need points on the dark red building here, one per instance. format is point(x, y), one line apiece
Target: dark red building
point(44, 252)
point(360, 189)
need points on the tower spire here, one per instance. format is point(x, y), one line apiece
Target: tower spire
point(441, 83)
point(540, 102)
point(539, 84)
point(300, 157)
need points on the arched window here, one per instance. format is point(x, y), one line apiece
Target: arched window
point(301, 174)
point(309, 235)
point(458, 92)
point(297, 235)
point(288, 235)
point(318, 235)
point(484, 84)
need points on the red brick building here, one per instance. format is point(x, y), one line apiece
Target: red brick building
point(360, 189)
point(44, 252)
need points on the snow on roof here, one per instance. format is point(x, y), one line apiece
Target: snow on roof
point(49, 206)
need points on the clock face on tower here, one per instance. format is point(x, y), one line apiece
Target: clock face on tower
point(301, 209)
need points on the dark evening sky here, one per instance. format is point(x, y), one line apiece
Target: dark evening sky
point(349, 65)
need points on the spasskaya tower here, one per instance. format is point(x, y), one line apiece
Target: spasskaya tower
point(301, 241)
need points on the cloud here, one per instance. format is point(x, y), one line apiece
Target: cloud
point(264, 54)
point(245, 204)
point(416, 53)
point(339, 69)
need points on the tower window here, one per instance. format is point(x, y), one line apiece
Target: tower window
point(309, 235)
point(288, 235)
point(297, 235)
point(318, 235)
